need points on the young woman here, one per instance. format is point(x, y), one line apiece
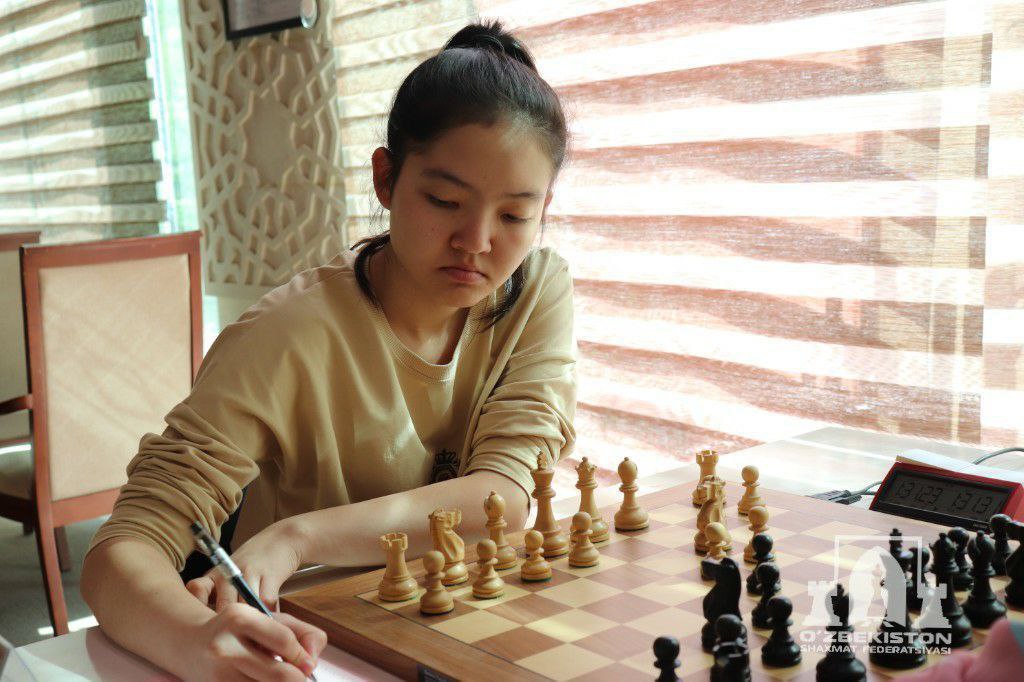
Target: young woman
point(421, 371)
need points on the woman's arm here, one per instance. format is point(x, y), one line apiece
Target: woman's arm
point(141, 604)
point(348, 535)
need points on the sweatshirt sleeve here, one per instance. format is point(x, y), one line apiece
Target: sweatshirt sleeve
point(532, 407)
point(213, 446)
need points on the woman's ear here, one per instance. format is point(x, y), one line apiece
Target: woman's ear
point(382, 169)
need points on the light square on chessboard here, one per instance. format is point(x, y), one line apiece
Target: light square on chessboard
point(692, 659)
point(627, 576)
point(605, 563)
point(618, 642)
point(616, 672)
point(677, 621)
point(529, 608)
point(557, 578)
point(518, 643)
point(803, 546)
point(564, 662)
point(632, 549)
point(464, 594)
point(391, 605)
point(673, 590)
point(673, 562)
point(670, 537)
point(412, 611)
point(571, 625)
point(579, 592)
point(830, 530)
point(673, 514)
point(474, 626)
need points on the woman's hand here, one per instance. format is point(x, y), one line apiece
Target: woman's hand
point(266, 560)
point(240, 643)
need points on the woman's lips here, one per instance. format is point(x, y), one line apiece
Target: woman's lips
point(465, 276)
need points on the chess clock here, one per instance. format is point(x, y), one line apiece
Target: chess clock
point(948, 498)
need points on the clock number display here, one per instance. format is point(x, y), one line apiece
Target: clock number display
point(953, 498)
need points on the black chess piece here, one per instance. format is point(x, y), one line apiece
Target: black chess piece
point(998, 524)
point(896, 644)
point(919, 558)
point(958, 632)
point(1015, 565)
point(840, 663)
point(781, 650)
point(763, 544)
point(962, 580)
point(721, 599)
point(768, 579)
point(902, 556)
point(982, 607)
point(666, 654)
point(731, 650)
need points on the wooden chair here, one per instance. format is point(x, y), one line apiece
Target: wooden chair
point(13, 373)
point(114, 336)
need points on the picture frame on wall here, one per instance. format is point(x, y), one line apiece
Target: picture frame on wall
point(252, 17)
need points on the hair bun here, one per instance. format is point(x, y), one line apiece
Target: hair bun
point(490, 36)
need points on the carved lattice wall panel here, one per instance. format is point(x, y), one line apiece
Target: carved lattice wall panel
point(269, 184)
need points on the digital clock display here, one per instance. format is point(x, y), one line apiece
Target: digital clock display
point(943, 497)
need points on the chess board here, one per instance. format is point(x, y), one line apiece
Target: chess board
point(599, 623)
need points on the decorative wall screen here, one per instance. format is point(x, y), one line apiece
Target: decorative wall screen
point(76, 157)
point(779, 216)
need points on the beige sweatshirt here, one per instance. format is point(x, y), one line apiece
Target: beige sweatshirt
point(312, 399)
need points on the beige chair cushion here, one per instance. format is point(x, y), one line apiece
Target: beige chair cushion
point(16, 474)
point(13, 376)
point(118, 358)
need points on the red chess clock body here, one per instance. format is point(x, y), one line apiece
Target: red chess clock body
point(947, 497)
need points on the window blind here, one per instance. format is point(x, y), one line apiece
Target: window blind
point(76, 134)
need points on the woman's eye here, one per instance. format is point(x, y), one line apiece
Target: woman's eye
point(514, 219)
point(440, 202)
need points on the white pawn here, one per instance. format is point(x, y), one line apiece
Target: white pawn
point(583, 553)
point(488, 584)
point(751, 496)
point(436, 599)
point(536, 568)
point(631, 516)
point(758, 517)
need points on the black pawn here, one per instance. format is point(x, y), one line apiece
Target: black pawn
point(982, 607)
point(962, 580)
point(1015, 566)
point(763, 553)
point(959, 632)
point(768, 580)
point(999, 524)
point(781, 650)
point(919, 558)
point(840, 663)
point(731, 651)
point(666, 654)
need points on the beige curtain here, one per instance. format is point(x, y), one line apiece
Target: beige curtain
point(76, 134)
point(780, 216)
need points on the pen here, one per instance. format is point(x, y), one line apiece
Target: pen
point(219, 558)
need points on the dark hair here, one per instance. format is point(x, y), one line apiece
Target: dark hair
point(482, 75)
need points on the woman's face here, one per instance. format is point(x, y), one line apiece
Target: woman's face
point(474, 199)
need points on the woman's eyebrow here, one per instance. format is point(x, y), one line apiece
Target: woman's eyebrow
point(454, 179)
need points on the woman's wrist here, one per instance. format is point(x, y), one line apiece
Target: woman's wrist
point(296, 532)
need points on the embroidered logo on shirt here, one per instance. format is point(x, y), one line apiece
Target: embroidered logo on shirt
point(446, 466)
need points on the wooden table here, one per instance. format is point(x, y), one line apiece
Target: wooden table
point(824, 459)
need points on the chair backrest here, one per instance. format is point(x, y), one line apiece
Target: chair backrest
point(13, 373)
point(114, 333)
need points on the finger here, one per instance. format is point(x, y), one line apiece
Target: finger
point(275, 637)
point(257, 664)
point(226, 593)
point(312, 638)
point(270, 591)
point(201, 588)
